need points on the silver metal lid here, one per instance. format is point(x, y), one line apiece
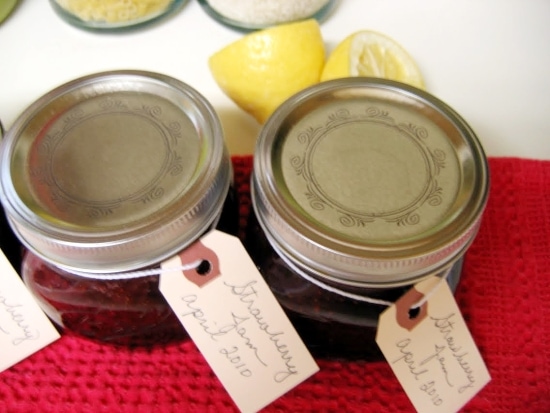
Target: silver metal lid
point(114, 171)
point(368, 183)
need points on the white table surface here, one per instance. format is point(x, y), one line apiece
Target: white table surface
point(488, 59)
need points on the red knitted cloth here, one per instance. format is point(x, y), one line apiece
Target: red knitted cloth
point(504, 296)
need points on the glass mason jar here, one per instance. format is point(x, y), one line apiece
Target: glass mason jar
point(114, 15)
point(106, 176)
point(250, 15)
point(361, 188)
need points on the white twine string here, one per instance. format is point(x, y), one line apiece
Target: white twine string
point(320, 284)
point(432, 291)
point(368, 299)
point(334, 290)
point(136, 274)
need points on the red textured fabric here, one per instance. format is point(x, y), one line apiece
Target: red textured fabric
point(504, 296)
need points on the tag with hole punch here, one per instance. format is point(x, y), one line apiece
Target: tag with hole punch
point(24, 328)
point(431, 350)
point(235, 321)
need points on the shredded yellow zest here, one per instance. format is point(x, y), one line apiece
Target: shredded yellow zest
point(113, 11)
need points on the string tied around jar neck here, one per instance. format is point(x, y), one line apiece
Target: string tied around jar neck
point(130, 275)
point(371, 300)
point(197, 264)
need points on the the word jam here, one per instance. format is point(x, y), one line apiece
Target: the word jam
point(432, 352)
point(24, 328)
point(236, 322)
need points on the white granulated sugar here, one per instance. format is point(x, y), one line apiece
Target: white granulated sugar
point(265, 12)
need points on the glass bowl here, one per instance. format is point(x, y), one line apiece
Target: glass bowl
point(114, 15)
point(247, 16)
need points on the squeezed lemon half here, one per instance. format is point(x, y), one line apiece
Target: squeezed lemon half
point(369, 53)
point(264, 68)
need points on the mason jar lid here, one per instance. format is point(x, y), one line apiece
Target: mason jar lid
point(114, 171)
point(368, 182)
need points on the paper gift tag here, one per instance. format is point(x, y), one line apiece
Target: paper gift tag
point(24, 328)
point(431, 350)
point(235, 321)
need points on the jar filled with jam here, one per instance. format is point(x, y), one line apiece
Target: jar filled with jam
point(102, 179)
point(361, 188)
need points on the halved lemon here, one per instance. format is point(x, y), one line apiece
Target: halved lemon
point(264, 68)
point(369, 53)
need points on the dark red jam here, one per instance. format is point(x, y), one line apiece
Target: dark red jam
point(331, 325)
point(129, 312)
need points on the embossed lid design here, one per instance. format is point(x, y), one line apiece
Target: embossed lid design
point(114, 171)
point(369, 183)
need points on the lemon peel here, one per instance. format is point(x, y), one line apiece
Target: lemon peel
point(264, 68)
point(369, 53)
